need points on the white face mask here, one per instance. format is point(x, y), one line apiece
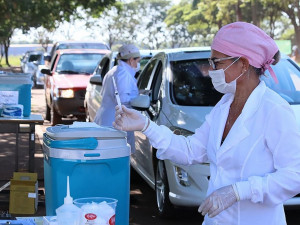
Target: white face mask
point(219, 82)
point(138, 67)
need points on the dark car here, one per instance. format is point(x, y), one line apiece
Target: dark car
point(66, 81)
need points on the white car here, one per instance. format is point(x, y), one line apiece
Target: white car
point(179, 91)
point(31, 62)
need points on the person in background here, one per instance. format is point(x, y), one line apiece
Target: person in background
point(296, 54)
point(47, 59)
point(128, 64)
point(250, 138)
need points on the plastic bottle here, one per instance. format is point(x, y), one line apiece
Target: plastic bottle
point(68, 213)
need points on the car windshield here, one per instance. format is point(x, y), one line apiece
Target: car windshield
point(288, 75)
point(84, 63)
point(191, 85)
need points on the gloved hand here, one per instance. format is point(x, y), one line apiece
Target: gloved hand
point(218, 201)
point(128, 119)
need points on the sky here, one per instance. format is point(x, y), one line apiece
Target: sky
point(66, 31)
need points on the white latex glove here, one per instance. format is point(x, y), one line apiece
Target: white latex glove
point(218, 201)
point(128, 119)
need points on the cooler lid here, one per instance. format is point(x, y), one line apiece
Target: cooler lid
point(15, 78)
point(82, 130)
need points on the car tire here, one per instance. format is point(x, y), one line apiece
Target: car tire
point(164, 206)
point(55, 117)
point(48, 112)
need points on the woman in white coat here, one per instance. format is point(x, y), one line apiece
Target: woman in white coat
point(250, 138)
point(128, 64)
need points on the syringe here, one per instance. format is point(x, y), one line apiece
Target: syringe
point(116, 93)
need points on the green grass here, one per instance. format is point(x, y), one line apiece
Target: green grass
point(13, 61)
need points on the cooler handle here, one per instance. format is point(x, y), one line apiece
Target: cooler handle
point(90, 143)
point(92, 155)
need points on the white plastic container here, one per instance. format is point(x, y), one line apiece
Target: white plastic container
point(68, 213)
point(97, 210)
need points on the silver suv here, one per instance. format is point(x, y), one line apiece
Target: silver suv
point(181, 94)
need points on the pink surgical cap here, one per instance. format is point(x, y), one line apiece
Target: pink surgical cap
point(247, 40)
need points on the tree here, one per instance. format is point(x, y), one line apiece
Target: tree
point(35, 13)
point(139, 22)
point(178, 27)
point(292, 10)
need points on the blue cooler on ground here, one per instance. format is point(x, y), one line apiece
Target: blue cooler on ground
point(15, 88)
point(97, 160)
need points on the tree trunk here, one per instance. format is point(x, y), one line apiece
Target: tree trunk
point(6, 44)
point(297, 35)
point(238, 11)
point(254, 15)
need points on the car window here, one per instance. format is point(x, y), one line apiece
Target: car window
point(146, 75)
point(191, 85)
point(52, 62)
point(105, 67)
point(288, 75)
point(100, 66)
point(84, 63)
point(33, 58)
point(156, 82)
point(144, 61)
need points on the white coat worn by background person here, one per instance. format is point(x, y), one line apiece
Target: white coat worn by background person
point(127, 88)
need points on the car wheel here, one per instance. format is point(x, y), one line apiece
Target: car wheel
point(48, 112)
point(165, 207)
point(55, 117)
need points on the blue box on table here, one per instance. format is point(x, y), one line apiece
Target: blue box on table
point(97, 161)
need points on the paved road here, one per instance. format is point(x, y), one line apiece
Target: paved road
point(143, 206)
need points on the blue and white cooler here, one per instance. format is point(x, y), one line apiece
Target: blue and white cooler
point(97, 160)
point(15, 94)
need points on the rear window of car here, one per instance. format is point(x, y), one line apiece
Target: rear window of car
point(82, 45)
point(33, 58)
point(288, 75)
point(191, 85)
point(78, 63)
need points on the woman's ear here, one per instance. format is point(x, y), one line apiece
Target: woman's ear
point(130, 61)
point(245, 64)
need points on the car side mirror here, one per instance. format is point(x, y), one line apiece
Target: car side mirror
point(141, 102)
point(97, 79)
point(46, 71)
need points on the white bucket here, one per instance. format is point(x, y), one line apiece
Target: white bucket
point(97, 210)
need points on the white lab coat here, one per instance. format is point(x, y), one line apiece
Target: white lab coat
point(127, 88)
point(261, 154)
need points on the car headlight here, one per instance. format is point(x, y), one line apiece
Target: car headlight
point(182, 176)
point(66, 93)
